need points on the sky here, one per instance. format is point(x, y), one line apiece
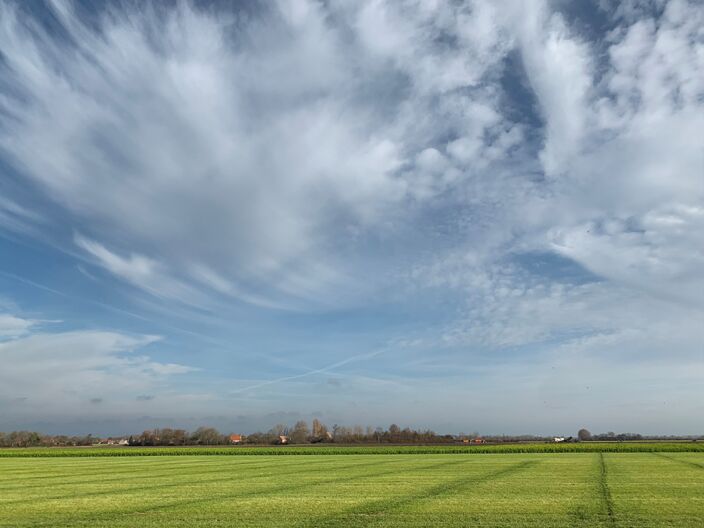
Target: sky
point(457, 215)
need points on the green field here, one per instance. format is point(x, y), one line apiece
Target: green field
point(368, 449)
point(519, 490)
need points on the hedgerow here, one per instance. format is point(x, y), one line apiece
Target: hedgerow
point(583, 447)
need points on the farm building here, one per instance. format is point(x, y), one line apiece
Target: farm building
point(111, 441)
point(235, 439)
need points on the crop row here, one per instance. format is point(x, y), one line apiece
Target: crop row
point(604, 447)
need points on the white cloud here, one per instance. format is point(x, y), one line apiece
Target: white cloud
point(636, 186)
point(559, 68)
point(243, 145)
point(12, 326)
point(659, 252)
point(509, 306)
point(221, 177)
point(191, 146)
point(224, 171)
point(141, 271)
point(67, 372)
point(136, 268)
point(17, 218)
point(409, 35)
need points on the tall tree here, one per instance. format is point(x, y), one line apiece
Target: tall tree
point(320, 431)
point(300, 433)
point(584, 435)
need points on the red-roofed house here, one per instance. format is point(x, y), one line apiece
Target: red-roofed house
point(235, 439)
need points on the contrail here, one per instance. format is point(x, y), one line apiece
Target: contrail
point(73, 297)
point(359, 357)
point(113, 309)
point(322, 370)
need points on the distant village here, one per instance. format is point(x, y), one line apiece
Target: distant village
point(303, 433)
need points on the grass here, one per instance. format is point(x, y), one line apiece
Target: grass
point(488, 490)
point(331, 449)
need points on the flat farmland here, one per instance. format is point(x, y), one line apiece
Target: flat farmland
point(518, 490)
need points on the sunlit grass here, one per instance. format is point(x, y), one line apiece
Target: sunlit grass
point(521, 490)
point(332, 449)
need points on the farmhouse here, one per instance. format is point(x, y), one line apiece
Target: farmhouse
point(235, 439)
point(111, 441)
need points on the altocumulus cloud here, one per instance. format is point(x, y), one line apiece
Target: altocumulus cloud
point(540, 164)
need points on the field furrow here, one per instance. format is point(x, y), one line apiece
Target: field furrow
point(537, 490)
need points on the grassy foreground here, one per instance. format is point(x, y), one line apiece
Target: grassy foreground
point(331, 449)
point(488, 490)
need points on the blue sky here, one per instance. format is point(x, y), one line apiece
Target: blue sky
point(468, 216)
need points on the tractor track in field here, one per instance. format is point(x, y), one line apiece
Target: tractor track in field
point(381, 507)
point(679, 461)
point(121, 476)
point(292, 470)
point(245, 494)
point(123, 473)
point(606, 491)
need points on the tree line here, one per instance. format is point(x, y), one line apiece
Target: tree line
point(179, 437)
point(299, 433)
point(303, 433)
point(318, 432)
point(585, 436)
point(34, 439)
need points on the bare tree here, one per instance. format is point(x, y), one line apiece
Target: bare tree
point(273, 435)
point(300, 432)
point(320, 432)
point(207, 436)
